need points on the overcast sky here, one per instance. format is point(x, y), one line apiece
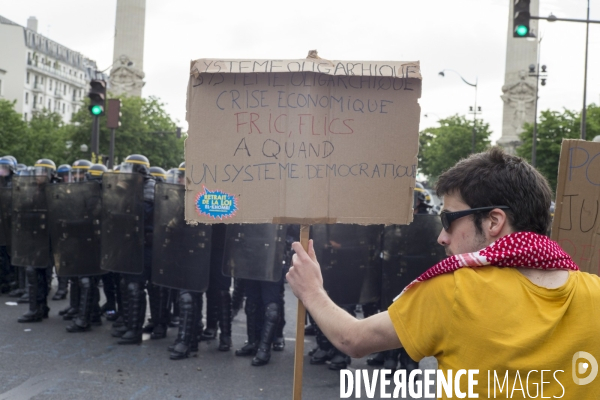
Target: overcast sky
point(465, 35)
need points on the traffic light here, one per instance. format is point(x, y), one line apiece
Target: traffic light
point(521, 19)
point(97, 95)
point(113, 114)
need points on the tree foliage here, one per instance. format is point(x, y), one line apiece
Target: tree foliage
point(146, 129)
point(553, 127)
point(442, 147)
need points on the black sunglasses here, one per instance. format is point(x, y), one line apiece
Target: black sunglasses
point(449, 217)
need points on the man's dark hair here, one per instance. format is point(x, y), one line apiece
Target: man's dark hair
point(494, 178)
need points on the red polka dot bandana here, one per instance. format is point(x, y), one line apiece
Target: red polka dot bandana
point(519, 249)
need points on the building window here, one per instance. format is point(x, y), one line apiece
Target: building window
point(63, 108)
point(28, 77)
point(50, 84)
point(49, 104)
point(64, 89)
point(25, 117)
point(26, 98)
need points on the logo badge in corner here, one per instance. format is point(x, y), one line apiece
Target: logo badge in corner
point(583, 367)
point(216, 204)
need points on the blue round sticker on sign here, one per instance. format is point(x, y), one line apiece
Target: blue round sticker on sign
point(216, 204)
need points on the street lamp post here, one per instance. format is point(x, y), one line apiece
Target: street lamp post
point(475, 109)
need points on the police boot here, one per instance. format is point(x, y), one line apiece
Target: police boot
point(136, 314)
point(188, 320)
point(161, 312)
point(225, 320)
point(237, 298)
point(391, 359)
point(324, 350)
point(119, 327)
point(251, 345)
point(212, 315)
point(81, 323)
point(339, 361)
point(35, 313)
point(63, 288)
point(74, 299)
point(272, 316)
point(20, 291)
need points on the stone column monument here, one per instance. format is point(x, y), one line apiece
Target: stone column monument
point(126, 75)
point(519, 89)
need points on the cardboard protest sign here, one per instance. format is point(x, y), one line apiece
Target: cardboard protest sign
point(302, 141)
point(576, 226)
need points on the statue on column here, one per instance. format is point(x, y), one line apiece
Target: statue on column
point(125, 79)
point(520, 98)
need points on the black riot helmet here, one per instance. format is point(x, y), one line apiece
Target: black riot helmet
point(44, 167)
point(79, 169)
point(159, 174)
point(95, 172)
point(136, 163)
point(63, 172)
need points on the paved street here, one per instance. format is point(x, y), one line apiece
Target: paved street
point(43, 361)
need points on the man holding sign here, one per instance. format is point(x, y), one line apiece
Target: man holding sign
point(508, 302)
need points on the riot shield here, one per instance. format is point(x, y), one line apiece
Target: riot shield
point(181, 252)
point(350, 262)
point(122, 237)
point(408, 251)
point(74, 219)
point(30, 244)
point(5, 204)
point(254, 251)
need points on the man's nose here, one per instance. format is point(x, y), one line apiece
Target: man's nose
point(443, 238)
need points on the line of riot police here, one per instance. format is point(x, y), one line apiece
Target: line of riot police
point(127, 229)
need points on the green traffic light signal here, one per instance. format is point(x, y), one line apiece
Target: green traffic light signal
point(96, 110)
point(522, 30)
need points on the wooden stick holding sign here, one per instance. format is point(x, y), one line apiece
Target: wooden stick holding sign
point(308, 141)
point(300, 322)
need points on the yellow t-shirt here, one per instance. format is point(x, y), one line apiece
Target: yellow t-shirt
point(495, 319)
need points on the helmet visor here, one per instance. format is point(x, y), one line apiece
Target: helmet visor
point(41, 171)
point(4, 170)
point(126, 168)
point(77, 175)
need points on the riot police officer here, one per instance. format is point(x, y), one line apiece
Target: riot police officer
point(136, 284)
point(8, 166)
point(88, 310)
point(37, 283)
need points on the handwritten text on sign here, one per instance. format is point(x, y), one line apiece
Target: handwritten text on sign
point(577, 226)
point(263, 129)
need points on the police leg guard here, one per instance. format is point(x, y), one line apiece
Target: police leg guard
point(81, 322)
point(249, 349)
point(136, 314)
point(160, 313)
point(272, 316)
point(35, 314)
point(225, 320)
point(185, 335)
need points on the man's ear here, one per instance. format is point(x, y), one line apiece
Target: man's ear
point(498, 221)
